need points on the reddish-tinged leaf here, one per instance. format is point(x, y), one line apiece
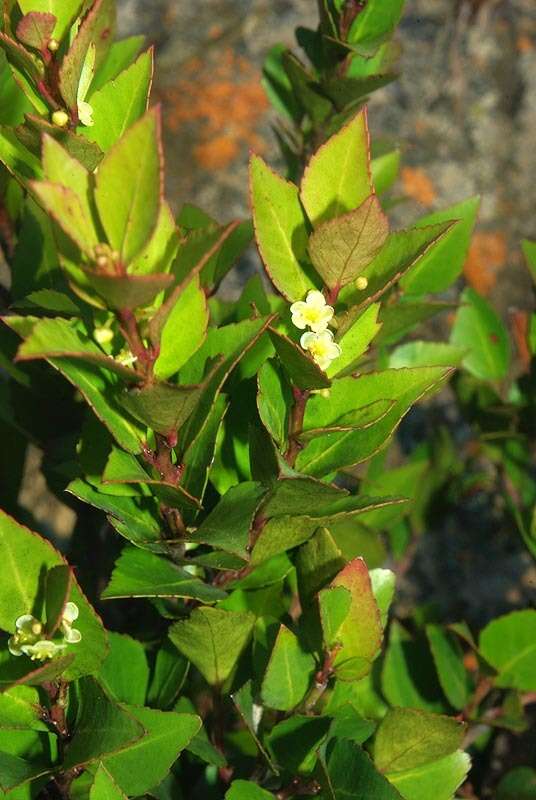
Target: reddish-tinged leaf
point(361, 632)
point(35, 29)
point(342, 247)
point(128, 291)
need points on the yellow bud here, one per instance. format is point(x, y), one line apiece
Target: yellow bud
point(103, 335)
point(53, 45)
point(60, 118)
point(361, 283)
point(37, 628)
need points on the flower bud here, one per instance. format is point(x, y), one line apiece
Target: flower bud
point(361, 283)
point(53, 45)
point(60, 118)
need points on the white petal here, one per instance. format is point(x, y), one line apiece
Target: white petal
point(298, 321)
point(308, 339)
point(72, 636)
point(13, 648)
point(85, 114)
point(24, 623)
point(315, 299)
point(71, 612)
point(298, 307)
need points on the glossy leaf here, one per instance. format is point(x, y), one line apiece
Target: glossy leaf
point(480, 332)
point(164, 407)
point(30, 557)
point(351, 775)
point(280, 230)
point(180, 340)
point(213, 640)
point(508, 643)
point(288, 674)
point(408, 673)
point(439, 778)
point(295, 741)
point(440, 268)
point(337, 178)
point(407, 739)
point(124, 671)
point(128, 189)
point(138, 573)
point(274, 400)
point(301, 368)
point(355, 341)
point(120, 102)
point(342, 247)
point(104, 787)
point(448, 658)
point(64, 11)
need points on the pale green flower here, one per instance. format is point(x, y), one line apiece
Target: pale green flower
point(70, 635)
point(313, 312)
point(321, 346)
point(43, 649)
point(27, 631)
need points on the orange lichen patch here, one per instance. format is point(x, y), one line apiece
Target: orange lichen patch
point(418, 185)
point(520, 332)
point(524, 43)
point(225, 102)
point(487, 256)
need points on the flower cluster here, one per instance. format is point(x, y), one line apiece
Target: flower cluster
point(27, 639)
point(314, 313)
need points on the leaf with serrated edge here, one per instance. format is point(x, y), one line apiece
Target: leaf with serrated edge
point(342, 247)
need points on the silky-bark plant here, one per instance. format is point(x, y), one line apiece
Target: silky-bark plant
point(225, 453)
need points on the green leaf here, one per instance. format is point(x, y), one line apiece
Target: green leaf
point(301, 368)
point(408, 738)
point(21, 672)
point(145, 762)
point(508, 643)
point(518, 784)
point(288, 530)
point(169, 673)
point(54, 338)
point(84, 151)
point(350, 775)
point(342, 247)
point(273, 400)
point(245, 701)
point(439, 779)
point(96, 28)
point(20, 162)
point(375, 23)
point(317, 563)
point(480, 331)
point(119, 57)
point(128, 191)
point(179, 341)
point(529, 251)
point(401, 251)
point(288, 674)
point(277, 85)
point(19, 709)
point(323, 454)
point(295, 742)
point(408, 674)
point(313, 102)
point(124, 671)
point(383, 587)
point(355, 341)
point(21, 59)
point(58, 586)
point(35, 29)
point(102, 727)
point(135, 515)
point(104, 787)
point(448, 658)
point(138, 573)
point(64, 10)
point(120, 102)
point(66, 209)
point(29, 557)
point(199, 455)
point(61, 168)
point(399, 319)
point(160, 251)
point(360, 630)
point(213, 640)
point(442, 265)
point(229, 524)
point(337, 178)
point(15, 771)
point(385, 169)
point(280, 229)
point(420, 354)
point(164, 407)
point(247, 790)
point(128, 291)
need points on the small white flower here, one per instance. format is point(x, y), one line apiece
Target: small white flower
point(313, 312)
point(70, 635)
point(321, 346)
point(27, 631)
point(85, 113)
point(42, 650)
